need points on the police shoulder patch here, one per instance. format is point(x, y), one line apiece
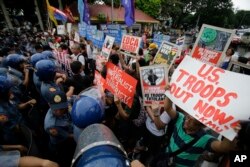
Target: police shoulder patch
point(57, 99)
point(52, 89)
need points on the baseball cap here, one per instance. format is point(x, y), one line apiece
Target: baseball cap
point(57, 99)
point(152, 46)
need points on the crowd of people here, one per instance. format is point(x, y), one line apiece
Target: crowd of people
point(36, 99)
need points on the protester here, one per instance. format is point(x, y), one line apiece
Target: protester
point(189, 137)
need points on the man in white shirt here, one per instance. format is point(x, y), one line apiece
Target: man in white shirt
point(77, 55)
point(90, 53)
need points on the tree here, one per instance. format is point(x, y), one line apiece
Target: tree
point(151, 7)
point(241, 18)
point(214, 12)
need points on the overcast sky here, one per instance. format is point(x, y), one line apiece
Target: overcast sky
point(242, 4)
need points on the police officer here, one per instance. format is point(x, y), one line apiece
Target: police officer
point(58, 125)
point(10, 117)
point(34, 59)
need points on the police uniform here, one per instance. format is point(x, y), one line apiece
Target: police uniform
point(9, 115)
point(61, 125)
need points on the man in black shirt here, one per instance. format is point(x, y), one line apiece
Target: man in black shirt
point(78, 81)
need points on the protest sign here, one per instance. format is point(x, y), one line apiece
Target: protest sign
point(63, 61)
point(209, 95)
point(184, 42)
point(69, 27)
point(167, 53)
point(120, 84)
point(61, 30)
point(159, 38)
point(130, 45)
point(211, 44)
point(82, 29)
point(99, 81)
point(100, 62)
point(153, 82)
point(107, 46)
point(114, 30)
point(98, 39)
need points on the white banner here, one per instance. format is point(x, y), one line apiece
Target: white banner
point(216, 97)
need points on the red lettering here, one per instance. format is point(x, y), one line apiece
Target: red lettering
point(202, 119)
point(136, 42)
point(227, 99)
point(203, 73)
point(210, 124)
point(180, 94)
point(190, 81)
point(209, 112)
point(132, 41)
point(219, 92)
point(188, 95)
point(182, 74)
point(215, 75)
point(234, 124)
point(207, 91)
point(173, 87)
point(200, 106)
point(198, 86)
point(221, 117)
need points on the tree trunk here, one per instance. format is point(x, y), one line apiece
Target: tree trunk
point(39, 16)
point(6, 14)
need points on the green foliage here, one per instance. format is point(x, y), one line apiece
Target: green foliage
point(151, 7)
point(242, 18)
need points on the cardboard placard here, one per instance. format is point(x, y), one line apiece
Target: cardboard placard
point(130, 45)
point(208, 94)
point(212, 44)
point(167, 53)
point(107, 46)
point(121, 84)
point(153, 82)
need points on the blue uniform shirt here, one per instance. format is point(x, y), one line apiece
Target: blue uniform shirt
point(63, 126)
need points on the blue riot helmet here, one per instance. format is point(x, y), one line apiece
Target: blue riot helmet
point(5, 85)
point(87, 109)
point(48, 54)
point(36, 57)
point(93, 110)
point(97, 146)
point(14, 60)
point(45, 70)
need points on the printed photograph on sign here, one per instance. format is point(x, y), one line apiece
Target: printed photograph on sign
point(107, 46)
point(130, 45)
point(211, 44)
point(208, 94)
point(167, 53)
point(153, 82)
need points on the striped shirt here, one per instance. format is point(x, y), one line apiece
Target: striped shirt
point(179, 137)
